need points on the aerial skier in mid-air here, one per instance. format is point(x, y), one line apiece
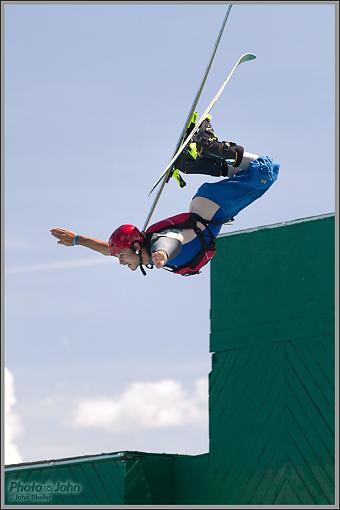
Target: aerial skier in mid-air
point(184, 243)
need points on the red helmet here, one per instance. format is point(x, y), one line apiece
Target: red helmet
point(124, 237)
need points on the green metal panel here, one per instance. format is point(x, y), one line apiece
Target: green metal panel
point(273, 283)
point(167, 479)
point(271, 393)
point(149, 479)
point(79, 481)
point(125, 478)
point(191, 480)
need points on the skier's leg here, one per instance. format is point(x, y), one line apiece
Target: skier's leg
point(235, 193)
point(202, 165)
point(216, 167)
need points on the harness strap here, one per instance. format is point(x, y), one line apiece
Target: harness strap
point(207, 248)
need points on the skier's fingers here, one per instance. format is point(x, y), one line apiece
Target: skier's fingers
point(61, 231)
point(57, 230)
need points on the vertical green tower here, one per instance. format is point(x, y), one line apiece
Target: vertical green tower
point(271, 392)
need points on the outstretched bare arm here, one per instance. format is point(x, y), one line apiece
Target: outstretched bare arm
point(66, 237)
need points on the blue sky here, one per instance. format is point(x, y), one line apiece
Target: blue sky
point(101, 359)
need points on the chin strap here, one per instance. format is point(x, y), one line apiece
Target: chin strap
point(141, 264)
point(138, 252)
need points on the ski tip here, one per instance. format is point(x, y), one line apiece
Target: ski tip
point(246, 57)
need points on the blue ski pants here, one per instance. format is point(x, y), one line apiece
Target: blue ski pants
point(232, 195)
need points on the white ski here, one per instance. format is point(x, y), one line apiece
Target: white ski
point(164, 176)
point(184, 131)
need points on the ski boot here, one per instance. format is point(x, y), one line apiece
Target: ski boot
point(193, 161)
point(201, 165)
point(206, 155)
point(209, 145)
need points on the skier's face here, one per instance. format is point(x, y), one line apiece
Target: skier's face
point(128, 258)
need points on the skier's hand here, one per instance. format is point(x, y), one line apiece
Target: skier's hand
point(65, 237)
point(159, 258)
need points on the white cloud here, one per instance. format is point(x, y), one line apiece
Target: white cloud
point(146, 405)
point(13, 427)
point(66, 264)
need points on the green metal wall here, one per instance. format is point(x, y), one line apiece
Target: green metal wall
point(81, 481)
point(271, 394)
point(124, 478)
